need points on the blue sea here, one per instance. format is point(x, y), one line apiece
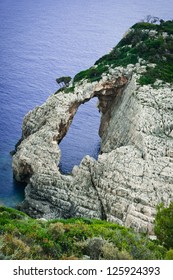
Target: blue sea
point(41, 40)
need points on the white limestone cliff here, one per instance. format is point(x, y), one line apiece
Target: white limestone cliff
point(134, 171)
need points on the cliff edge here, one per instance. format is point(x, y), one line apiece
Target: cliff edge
point(134, 171)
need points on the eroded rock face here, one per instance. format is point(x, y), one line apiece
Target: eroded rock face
point(46, 125)
point(134, 171)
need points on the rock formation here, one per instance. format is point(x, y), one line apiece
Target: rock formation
point(134, 171)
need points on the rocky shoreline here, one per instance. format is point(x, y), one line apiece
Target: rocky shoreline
point(134, 171)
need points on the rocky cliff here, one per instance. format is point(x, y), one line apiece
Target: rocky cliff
point(134, 171)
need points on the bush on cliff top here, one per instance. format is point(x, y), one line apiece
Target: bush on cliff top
point(138, 43)
point(22, 237)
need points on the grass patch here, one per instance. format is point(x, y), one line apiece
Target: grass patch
point(22, 237)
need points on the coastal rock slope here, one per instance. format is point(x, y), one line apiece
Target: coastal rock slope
point(134, 171)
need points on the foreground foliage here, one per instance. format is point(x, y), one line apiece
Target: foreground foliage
point(22, 237)
point(164, 226)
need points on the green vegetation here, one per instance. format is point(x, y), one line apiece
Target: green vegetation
point(22, 237)
point(162, 71)
point(65, 89)
point(169, 255)
point(92, 74)
point(164, 227)
point(144, 40)
point(164, 26)
point(59, 90)
point(69, 89)
point(63, 81)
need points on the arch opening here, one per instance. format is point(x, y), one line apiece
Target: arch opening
point(82, 137)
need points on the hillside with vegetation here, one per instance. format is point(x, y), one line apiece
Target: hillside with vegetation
point(132, 175)
point(22, 237)
point(150, 42)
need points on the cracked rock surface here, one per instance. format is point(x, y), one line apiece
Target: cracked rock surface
point(134, 171)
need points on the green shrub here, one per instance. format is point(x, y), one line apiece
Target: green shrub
point(169, 255)
point(145, 25)
point(164, 225)
point(63, 81)
point(15, 248)
point(92, 74)
point(78, 230)
point(138, 44)
point(27, 238)
point(56, 230)
point(146, 79)
point(110, 252)
point(69, 89)
point(156, 50)
point(94, 247)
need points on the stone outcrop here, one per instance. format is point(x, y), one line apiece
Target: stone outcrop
point(134, 171)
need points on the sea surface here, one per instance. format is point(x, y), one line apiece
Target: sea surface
point(41, 40)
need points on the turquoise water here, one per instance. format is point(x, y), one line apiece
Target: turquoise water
point(45, 39)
